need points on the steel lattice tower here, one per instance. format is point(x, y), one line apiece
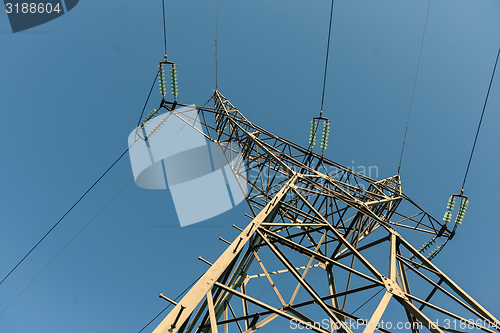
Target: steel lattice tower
point(333, 232)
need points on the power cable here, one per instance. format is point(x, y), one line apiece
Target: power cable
point(414, 85)
point(164, 27)
point(76, 203)
point(378, 292)
point(147, 99)
point(64, 248)
point(90, 220)
point(216, 80)
point(326, 59)
point(83, 196)
point(440, 248)
point(480, 121)
point(314, 130)
point(475, 139)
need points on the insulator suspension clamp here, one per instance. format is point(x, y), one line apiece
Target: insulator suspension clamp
point(312, 134)
point(161, 75)
point(324, 133)
point(150, 116)
point(451, 205)
point(173, 80)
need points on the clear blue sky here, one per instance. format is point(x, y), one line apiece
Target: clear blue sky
point(72, 90)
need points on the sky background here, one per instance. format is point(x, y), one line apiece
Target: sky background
point(73, 89)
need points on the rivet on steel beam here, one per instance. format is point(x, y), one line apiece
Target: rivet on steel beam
point(236, 248)
point(178, 316)
point(250, 230)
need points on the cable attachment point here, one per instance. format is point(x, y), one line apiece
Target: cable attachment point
point(461, 211)
point(326, 133)
point(161, 75)
point(447, 217)
point(312, 135)
point(173, 79)
point(426, 246)
point(451, 205)
point(150, 116)
point(435, 252)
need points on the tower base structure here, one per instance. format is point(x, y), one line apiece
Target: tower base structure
point(322, 243)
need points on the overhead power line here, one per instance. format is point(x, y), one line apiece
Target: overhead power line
point(87, 223)
point(480, 122)
point(65, 214)
point(164, 27)
point(64, 248)
point(414, 85)
point(81, 197)
point(326, 59)
point(147, 99)
point(216, 70)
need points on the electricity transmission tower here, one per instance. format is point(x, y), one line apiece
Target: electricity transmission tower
point(322, 240)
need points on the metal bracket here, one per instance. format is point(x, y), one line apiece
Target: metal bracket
point(393, 288)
